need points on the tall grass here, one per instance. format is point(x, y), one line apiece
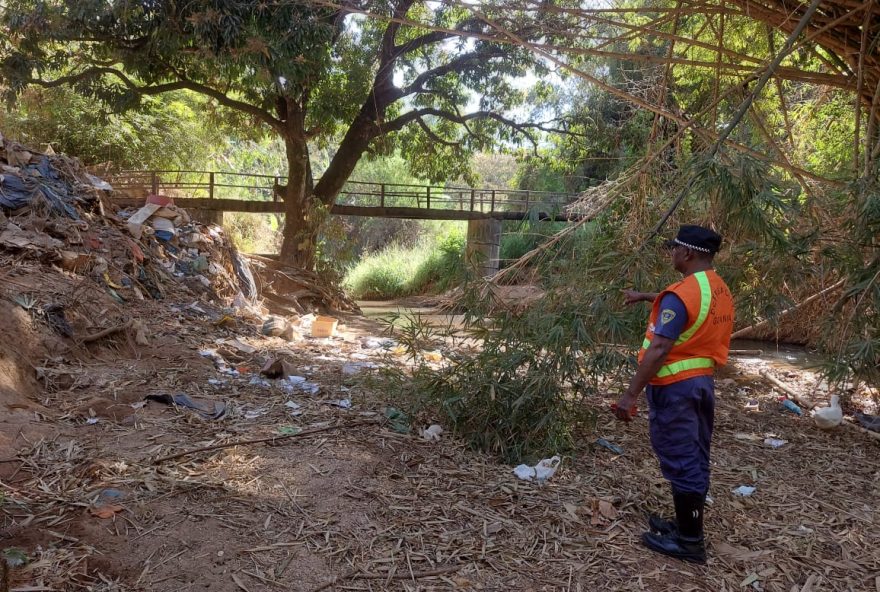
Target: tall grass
point(433, 265)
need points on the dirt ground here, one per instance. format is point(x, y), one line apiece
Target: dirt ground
point(353, 500)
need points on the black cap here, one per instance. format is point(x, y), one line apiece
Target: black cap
point(697, 238)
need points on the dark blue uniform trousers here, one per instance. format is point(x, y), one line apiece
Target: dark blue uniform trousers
point(681, 417)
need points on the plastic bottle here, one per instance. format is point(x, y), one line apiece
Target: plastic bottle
point(792, 406)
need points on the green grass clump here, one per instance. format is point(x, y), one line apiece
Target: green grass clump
point(433, 265)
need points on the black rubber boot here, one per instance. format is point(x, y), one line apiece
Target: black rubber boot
point(687, 543)
point(661, 525)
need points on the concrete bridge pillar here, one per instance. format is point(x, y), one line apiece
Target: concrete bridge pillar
point(483, 246)
point(207, 216)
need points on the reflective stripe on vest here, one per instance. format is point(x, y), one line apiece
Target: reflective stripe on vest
point(705, 302)
point(691, 363)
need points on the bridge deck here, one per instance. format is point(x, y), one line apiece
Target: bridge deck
point(239, 192)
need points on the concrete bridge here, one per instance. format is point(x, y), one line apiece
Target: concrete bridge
point(211, 193)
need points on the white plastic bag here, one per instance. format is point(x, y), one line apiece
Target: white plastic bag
point(541, 472)
point(432, 433)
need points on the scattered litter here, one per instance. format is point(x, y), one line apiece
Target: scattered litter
point(295, 408)
point(397, 419)
point(752, 405)
point(242, 347)
point(433, 356)
point(257, 381)
point(432, 433)
point(775, 442)
point(341, 403)
point(106, 511)
point(352, 368)
point(792, 406)
point(277, 368)
point(219, 362)
point(92, 421)
point(324, 326)
point(376, 343)
point(869, 422)
point(207, 409)
point(301, 384)
point(14, 556)
point(255, 413)
point(744, 491)
point(279, 327)
point(609, 445)
point(289, 430)
point(749, 437)
point(541, 472)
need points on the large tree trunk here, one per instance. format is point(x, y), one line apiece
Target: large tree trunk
point(301, 220)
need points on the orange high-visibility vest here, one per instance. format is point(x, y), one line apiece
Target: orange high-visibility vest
point(705, 341)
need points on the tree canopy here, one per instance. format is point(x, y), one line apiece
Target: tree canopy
point(429, 79)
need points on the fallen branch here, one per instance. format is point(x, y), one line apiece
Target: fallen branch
point(270, 440)
point(787, 311)
point(106, 332)
point(797, 397)
point(357, 574)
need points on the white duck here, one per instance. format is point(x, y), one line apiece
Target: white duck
point(829, 417)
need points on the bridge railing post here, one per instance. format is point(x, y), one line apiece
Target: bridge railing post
point(211, 185)
point(527, 199)
point(429, 197)
point(473, 196)
point(382, 195)
point(154, 182)
point(492, 206)
point(275, 184)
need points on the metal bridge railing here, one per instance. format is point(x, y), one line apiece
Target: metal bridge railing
point(255, 187)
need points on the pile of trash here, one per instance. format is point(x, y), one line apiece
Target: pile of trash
point(54, 210)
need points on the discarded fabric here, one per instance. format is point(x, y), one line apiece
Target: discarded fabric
point(207, 409)
point(869, 422)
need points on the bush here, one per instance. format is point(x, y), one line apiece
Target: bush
point(433, 265)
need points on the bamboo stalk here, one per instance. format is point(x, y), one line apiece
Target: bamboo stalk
point(800, 399)
point(271, 439)
point(787, 311)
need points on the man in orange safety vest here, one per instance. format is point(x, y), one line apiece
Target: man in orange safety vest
point(688, 336)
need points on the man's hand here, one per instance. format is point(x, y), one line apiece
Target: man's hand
point(631, 297)
point(623, 408)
